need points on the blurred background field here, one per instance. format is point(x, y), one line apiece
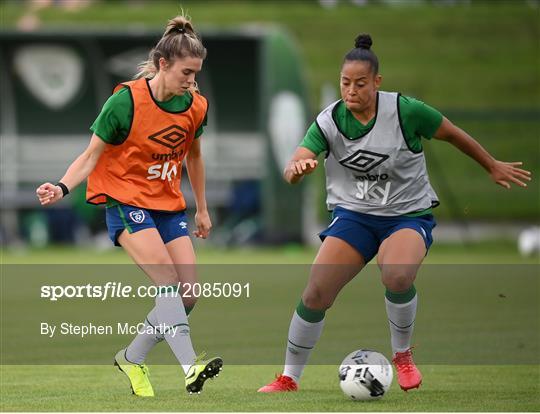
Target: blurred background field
point(459, 55)
point(476, 61)
point(486, 252)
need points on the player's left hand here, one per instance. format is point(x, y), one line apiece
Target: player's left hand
point(203, 223)
point(504, 173)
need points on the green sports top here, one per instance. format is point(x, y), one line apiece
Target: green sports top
point(418, 121)
point(113, 123)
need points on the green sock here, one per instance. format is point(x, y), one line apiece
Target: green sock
point(401, 297)
point(189, 309)
point(304, 332)
point(309, 315)
point(401, 311)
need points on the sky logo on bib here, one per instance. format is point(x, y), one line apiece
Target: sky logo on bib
point(369, 192)
point(363, 161)
point(137, 216)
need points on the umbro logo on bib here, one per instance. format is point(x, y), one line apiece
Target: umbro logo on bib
point(137, 216)
point(171, 137)
point(363, 161)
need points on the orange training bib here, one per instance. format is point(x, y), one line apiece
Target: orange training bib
point(145, 170)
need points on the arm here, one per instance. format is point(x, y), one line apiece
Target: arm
point(77, 172)
point(195, 169)
point(500, 172)
point(302, 163)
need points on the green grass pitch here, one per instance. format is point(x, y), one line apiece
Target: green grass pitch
point(500, 332)
point(102, 388)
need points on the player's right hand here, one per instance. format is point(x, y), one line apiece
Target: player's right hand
point(303, 167)
point(48, 194)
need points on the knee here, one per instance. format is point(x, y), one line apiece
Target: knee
point(315, 299)
point(398, 278)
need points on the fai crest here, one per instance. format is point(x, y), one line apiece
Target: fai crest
point(137, 216)
point(52, 73)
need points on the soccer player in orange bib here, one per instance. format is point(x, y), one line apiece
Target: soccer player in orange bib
point(145, 131)
point(379, 191)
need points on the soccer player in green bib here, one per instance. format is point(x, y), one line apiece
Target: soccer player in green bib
point(381, 198)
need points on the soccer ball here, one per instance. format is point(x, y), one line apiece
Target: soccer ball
point(365, 375)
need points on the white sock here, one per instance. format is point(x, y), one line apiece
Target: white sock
point(302, 338)
point(142, 344)
point(401, 320)
point(170, 312)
